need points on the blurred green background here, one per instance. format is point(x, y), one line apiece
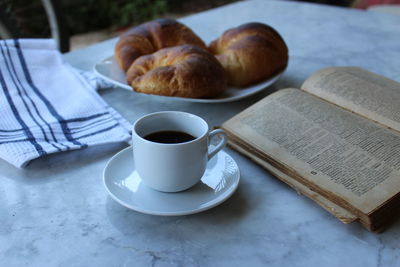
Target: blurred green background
point(89, 21)
point(89, 15)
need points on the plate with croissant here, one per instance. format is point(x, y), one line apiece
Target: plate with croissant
point(166, 58)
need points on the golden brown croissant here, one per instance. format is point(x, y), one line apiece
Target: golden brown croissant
point(149, 37)
point(184, 71)
point(250, 53)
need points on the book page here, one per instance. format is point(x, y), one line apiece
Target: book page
point(340, 155)
point(343, 215)
point(365, 93)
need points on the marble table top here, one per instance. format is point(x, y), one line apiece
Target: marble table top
point(56, 211)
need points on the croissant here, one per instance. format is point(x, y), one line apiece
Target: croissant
point(250, 53)
point(184, 71)
point(149, 37)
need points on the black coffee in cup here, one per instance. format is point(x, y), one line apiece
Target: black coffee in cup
point(173, 159)
point(169, 137)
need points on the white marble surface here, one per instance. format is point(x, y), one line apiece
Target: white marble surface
point(57, 213)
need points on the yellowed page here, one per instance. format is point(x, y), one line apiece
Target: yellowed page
point(353, 159)
point(342, 214)
point(365, 93)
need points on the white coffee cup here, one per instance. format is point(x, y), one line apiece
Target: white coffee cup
point(173, 167)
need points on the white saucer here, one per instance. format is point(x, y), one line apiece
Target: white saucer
point(218, 183)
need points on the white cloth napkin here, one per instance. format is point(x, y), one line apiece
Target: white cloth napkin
point(46, 106)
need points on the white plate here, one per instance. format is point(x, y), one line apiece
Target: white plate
point(218, 183)
point(110, 71)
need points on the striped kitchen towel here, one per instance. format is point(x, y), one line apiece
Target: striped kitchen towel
point(46, 106)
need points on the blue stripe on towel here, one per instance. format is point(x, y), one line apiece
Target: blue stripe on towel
point(63, 123)
point(79, 137)
point(10, 131)
point(28, 133)
point(32, 102)
point(99, 131)
point(88, 117)
point(78, 119)
point(94, 124)
point(15, 141)
point(8, 136)
point(20, 88)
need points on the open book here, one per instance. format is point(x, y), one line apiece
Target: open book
point(337, 141)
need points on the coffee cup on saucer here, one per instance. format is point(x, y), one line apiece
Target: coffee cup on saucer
point(171, 149)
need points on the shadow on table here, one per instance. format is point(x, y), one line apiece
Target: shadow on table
point(130, 222)
point(47, 168)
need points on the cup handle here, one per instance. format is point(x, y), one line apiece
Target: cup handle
point(221, 144)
